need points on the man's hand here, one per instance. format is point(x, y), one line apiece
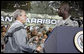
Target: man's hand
point(39, 48)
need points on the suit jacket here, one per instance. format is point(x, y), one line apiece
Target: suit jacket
point(17, 43)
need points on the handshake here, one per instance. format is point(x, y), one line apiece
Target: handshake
point(38, 49)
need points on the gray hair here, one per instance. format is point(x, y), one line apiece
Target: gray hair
point(16, 13)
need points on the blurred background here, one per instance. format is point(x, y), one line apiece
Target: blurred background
point(44, 10)
point(41, 17)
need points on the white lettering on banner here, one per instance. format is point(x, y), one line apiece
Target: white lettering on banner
point(39, 20)
point(6, 18)
point(44, 21)
point(28, 20)
point(47, 21)
point(2, 18)
point(31, 20)
point(53, 21)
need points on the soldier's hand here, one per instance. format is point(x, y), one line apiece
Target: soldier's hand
point(39, 48)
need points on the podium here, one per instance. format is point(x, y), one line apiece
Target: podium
point(61, 40)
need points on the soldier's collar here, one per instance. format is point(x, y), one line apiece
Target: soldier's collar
point(67, 18)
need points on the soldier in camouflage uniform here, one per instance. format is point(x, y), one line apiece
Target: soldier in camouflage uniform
point(64, 12)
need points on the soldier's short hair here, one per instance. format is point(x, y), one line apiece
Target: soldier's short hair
point(66, 6)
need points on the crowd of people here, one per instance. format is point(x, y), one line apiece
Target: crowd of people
point(35, 37)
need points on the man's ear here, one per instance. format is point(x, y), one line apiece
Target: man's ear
point(62, 11)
